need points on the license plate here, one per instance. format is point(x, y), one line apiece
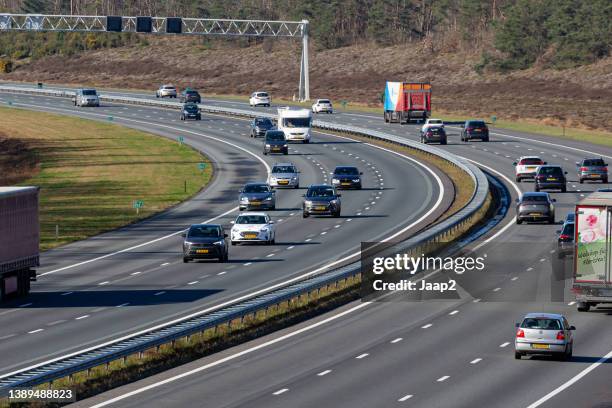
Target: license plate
point(250, 236)
point(201, 251)
point(283, 182)
point(595, 175)
point(531, 168)
point(477, 130)
point(551, 179)
point(540, 346)
point(255, 203)
point(346, 184)
point(320, 208)
point(535, 214)
point(276, 148)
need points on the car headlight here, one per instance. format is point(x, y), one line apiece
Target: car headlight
point(285, 145)
point(356, 180)
point(218, 242)
point(335, 181)
point(188, 243)
point(244, 199)
point(308, 202)
point(267, 145)
point(333, 202)
point(268, 198)
point(294, 178)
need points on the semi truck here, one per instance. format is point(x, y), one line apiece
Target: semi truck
point(19, 239)
point(295, 123)
point(405, 101)
point(592, 280)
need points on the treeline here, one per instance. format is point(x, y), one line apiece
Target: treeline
point(511, 34)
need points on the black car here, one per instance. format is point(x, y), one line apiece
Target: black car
point(535, 207)
point(190, 95)
point(435, 134)
point(275, 142)
point(259, 126)
point(321, 199)
point(190, 110)
point(550, 177)
point(592, 169)
point(565, 239)
point(474, 129)
point(205, 241)
point(346, 177)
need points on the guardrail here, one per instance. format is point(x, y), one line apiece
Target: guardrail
point(136, 345)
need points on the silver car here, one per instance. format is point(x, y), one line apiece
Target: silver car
point(86, 97)
point(284, 175)
point(166, 91)
point(544, 333)
point(257, 196)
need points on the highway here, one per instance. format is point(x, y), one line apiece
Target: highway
point(429, 354)
point(121, 282)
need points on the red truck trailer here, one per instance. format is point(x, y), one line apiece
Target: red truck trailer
point(405, 101)
point(19, 239)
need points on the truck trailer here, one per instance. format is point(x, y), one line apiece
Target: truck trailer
point(592, 280)
point(405, 101)
point(19, 239)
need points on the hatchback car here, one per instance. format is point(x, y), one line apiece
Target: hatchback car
point(346, 177)
point(257, 195)
point(544, 333)
point(550, 178)
point(284, 175)
point(322, 105)
point(565, 238)
point(191, 110)
point(260, 99)
point(535, 207)
point(259, 126)
point(474, 129)
point(166, 91)
point(190, 95)
point(205, 241)
point(321, 199)
point(275, 142)
point(592, 169)
point(86, 97)
point(253, 227)
point(434, 134)
point(526, 167)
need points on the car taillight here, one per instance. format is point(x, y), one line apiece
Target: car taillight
point(540, 177)
point(469, 129)
point(520, 333)
point(605, 169)
point(560, 336)
point(429, 134)
point(564, 237)
point(584, 169)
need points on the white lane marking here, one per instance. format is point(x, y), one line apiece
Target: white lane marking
point(571, 381)
point(165, 263)
point(159, 293)
point(476, 361)
point(291, 247)
point(55, 323)
point(123, 304)
point(222, 273)
point(504, 345)
point(248, 263)
point(443, 378)
point(281, 391)
point(337, 226)
point(270, 255)
point(135, 273)
point(496, 289)
point(572, 303)
point(349, 219)
point(81, 317)
point(192, 283)
point(364, 355)
point(529, 269)
point(324, 232)
point(514, 278)
point(542, 259)
point(8, 336)
point(103, 283)
point(322, 373)
point(66, 293)
point(454, 312)
point(308, 240)
point(405, 397)
point(26, 305)
point(35, 331)
point(427, 326)
point(476, 300)
point(396, 340)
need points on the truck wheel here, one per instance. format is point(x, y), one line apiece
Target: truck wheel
point(583, 306)
point(386, 117)
point(551, 220)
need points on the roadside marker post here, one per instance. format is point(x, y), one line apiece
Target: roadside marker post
point(202, 166)
point(181, 139)
point(138, 204)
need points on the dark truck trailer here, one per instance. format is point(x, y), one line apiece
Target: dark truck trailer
point(405, 101)
point(592, 282)
point(19, 239)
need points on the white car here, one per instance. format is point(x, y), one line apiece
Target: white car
point(166, 91)
point(432, 123)
point(527, 167)
point(253, 227)
point(260, 99)
point(322, 105)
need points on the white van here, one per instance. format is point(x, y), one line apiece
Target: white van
point(295, 123)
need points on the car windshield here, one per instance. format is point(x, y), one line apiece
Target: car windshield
point(283, 169)
point(297, 122)
point(256, 188)
point(320, 192)
point(531, 162)
point(204, 231)
point(191, 107)
point(541, 323)
point(551, 171)
point(568, 229)
point(263, 123)
point(593, 162)
point(535, 198)
point(476, 124)
point(251, 219)
point(346, 171)
point(275, 136)
point(89, 92)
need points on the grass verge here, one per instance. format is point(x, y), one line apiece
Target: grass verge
point(90, 173)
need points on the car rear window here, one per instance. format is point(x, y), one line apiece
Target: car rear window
point(541, 323)
point(476, 124)
point(535, 198)
point(593, 162)
point(568, 229)
point(262, 95)
point(168, 87)
point(531, 162)
point(552, 171)
point(324, 101)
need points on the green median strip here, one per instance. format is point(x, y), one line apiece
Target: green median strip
point(94, 176)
